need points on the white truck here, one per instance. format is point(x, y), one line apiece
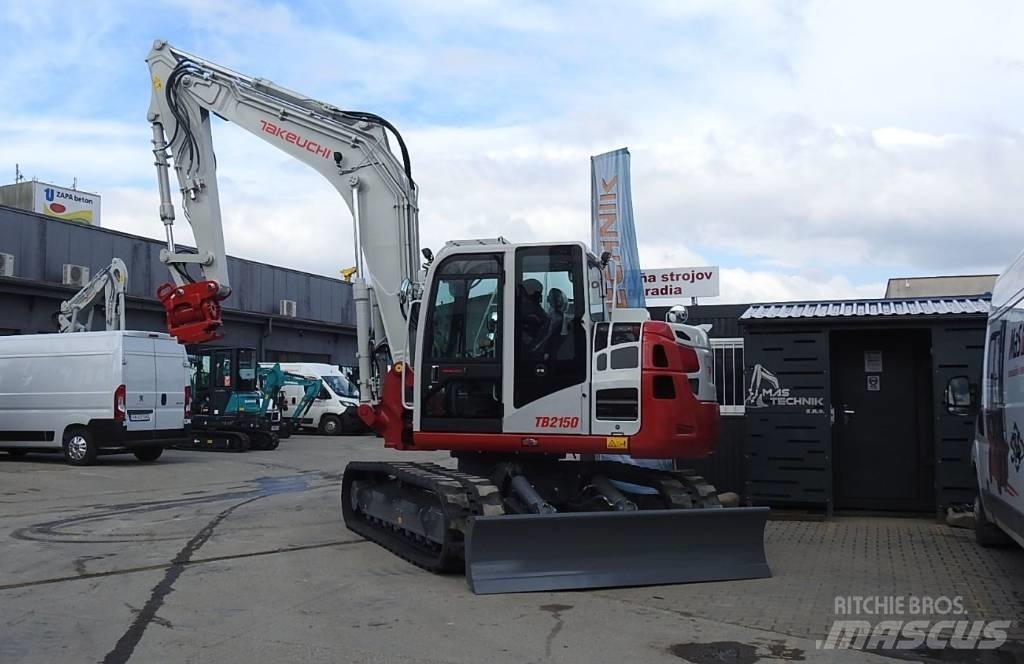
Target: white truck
point(333, 412)
point(92, 393)
point(998, 453)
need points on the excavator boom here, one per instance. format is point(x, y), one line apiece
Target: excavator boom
point(109, 284)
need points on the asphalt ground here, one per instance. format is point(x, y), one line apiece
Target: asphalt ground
point(218, 557)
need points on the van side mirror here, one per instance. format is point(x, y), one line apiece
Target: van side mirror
point(961, 397)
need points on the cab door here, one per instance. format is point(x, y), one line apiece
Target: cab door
point(550, 346)
point(222, 383)
point(460, 383)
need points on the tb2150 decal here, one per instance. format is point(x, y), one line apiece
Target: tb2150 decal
point(556, 422)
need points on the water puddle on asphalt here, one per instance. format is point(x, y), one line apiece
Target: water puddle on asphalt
point(734, 652)
point(272, 486)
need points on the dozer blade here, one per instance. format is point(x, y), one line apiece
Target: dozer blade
point(531, 552)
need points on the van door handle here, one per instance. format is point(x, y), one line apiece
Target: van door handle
point(433, 374)
point(163, 399)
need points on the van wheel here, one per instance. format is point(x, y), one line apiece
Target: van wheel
point(79, 447)
point(148, 454)
point(986, 533)
point(330, 425)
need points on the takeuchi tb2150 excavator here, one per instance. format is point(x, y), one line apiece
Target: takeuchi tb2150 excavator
point(507, 355)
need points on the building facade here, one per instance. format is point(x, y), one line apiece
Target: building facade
point(322, 329)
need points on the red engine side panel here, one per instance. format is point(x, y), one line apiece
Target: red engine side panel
point(675, 425)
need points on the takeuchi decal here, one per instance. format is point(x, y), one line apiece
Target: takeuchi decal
point(766, 391)
point(289, 136)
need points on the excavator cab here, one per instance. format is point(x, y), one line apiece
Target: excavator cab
point(516, 351)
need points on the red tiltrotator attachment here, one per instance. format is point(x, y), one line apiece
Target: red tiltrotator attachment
point(193, 311)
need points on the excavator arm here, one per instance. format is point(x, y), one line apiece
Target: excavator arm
point(109, 284)
point(272, 379)
point(349, 148)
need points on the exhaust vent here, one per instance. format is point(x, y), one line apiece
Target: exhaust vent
point(75, 275)
point(287, 308)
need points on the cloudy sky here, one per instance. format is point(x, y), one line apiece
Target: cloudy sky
point(812, 149)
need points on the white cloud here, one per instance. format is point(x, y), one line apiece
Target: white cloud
point(738, 286)
point(811, 149)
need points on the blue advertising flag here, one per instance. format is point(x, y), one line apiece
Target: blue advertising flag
point(612, 228)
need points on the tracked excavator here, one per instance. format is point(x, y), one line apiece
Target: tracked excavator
point(508, 356)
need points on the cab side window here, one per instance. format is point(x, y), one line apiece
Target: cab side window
point(463, 345)
point(466, 311)
point(993, 410)
point(550, 342)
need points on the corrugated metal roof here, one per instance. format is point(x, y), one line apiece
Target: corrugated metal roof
point(931, 306)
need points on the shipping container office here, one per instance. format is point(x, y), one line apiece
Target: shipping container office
point(845, 402)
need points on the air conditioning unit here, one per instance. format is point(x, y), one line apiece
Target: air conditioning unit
point(75, 275)
point(6, 265)
point(287, 308)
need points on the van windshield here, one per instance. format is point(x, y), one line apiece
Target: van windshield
point(341, 386)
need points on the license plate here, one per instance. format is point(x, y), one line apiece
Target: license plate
point(138, 417)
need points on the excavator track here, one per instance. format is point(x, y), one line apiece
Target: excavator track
point(390, 503)
point(263, 440)
point(442, 520)
point(217, 441)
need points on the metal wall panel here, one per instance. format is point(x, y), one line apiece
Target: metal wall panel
point(41, 246)
point(26, 313)
point(789, 446)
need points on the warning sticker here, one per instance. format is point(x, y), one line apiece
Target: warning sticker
point(617, 443)
point(874, 383)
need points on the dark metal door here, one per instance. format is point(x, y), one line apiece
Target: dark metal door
point(881, 387)
point(222, 380)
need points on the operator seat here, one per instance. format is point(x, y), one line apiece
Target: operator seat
point(531, 319)
point(551, 340)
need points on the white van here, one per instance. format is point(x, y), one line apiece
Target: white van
point(334, 411)
point(998, 453)
point(88, 393)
